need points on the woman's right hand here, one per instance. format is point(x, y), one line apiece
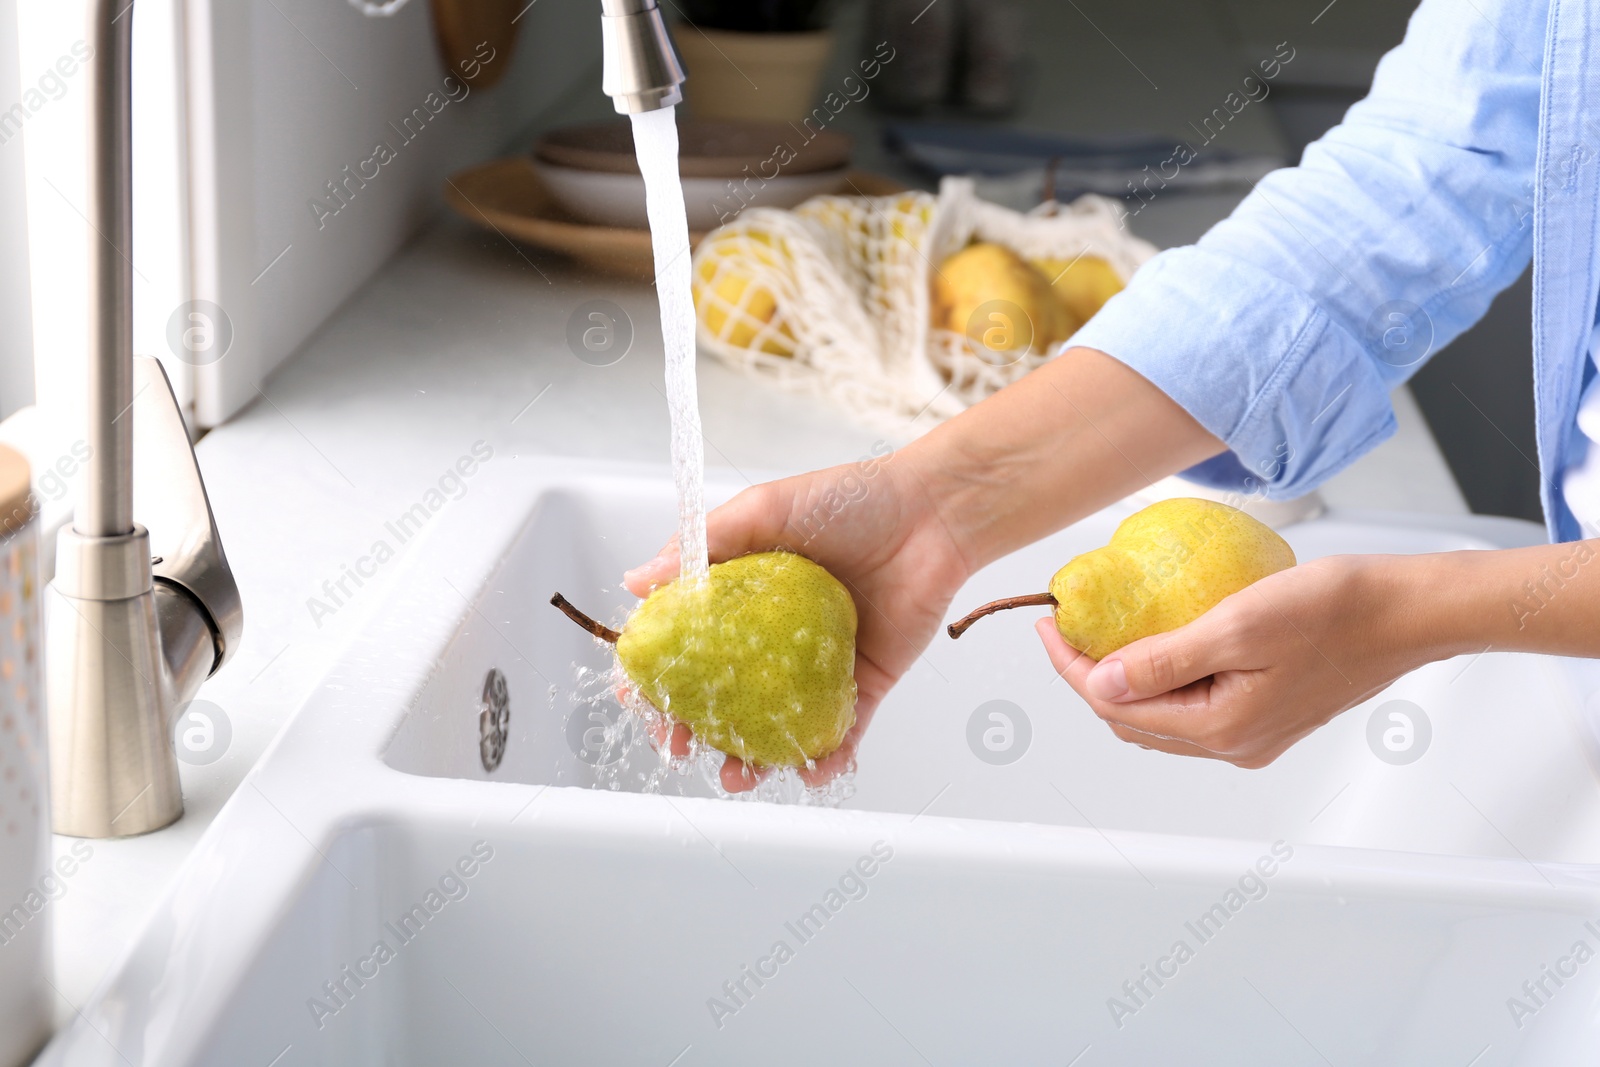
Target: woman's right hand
point(874, 527)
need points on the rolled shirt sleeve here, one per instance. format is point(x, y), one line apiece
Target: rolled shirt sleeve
point(1285, 328)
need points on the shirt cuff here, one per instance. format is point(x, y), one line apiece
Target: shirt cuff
point(1256, 362)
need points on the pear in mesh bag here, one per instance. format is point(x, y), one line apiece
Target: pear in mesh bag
point(738, 278)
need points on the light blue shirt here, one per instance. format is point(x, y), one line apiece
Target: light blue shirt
point(1284, 329)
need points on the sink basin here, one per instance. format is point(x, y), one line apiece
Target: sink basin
point(437, 862)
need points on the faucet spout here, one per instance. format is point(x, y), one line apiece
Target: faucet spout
point(641, 70)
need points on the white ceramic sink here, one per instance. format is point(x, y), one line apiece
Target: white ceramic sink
point(1335, 908)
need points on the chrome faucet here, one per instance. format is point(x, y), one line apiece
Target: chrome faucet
point(137, 617)
point(641, 71)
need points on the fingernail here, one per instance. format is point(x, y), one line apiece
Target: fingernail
point(629, 576)
point(1108, 681)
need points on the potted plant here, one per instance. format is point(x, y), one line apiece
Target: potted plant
point(753, 59)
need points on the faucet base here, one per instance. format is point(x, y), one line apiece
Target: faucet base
point(113, 771)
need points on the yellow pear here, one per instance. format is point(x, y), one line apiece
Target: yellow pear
point(911, 216)
point(999, 300)
point(757, 659)
point(732, 301)
point(1083, 284)
point(1164, 567)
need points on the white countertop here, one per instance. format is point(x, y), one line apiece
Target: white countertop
point(462, 339)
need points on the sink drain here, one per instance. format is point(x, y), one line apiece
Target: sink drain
point(494, 719)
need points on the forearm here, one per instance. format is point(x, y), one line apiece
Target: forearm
point(1079, 433)
point(1543, 599)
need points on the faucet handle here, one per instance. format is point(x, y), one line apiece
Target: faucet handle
point(169, 497)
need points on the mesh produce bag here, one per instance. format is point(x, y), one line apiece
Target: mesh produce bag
point(832, 298)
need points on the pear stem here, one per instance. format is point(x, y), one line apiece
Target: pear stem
point(600, 630)
point(959, 627)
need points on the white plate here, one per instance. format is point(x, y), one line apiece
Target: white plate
point(618, 199)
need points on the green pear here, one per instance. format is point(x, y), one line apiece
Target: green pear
point(757, 659)
point(1164, 567)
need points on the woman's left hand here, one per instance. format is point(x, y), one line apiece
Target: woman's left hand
point(1266, 666)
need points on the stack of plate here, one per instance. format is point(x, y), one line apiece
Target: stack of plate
point(580, 191)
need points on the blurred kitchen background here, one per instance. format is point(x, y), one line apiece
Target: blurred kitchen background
point(260, 105)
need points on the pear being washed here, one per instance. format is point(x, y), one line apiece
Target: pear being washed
point(756, 659)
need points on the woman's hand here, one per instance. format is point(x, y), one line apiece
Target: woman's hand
point(873, 526)
point(1269, 664)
